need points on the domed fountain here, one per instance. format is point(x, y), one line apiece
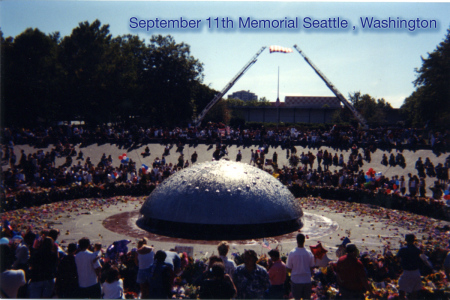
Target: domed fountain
point(221, 200)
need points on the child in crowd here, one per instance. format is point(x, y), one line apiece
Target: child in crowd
point(97, 251)
point(113, 286)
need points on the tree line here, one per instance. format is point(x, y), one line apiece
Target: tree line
point(97, 78)
point(429, 104)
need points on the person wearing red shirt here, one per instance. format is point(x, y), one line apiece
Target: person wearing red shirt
point(277, 275)
point(351, 276)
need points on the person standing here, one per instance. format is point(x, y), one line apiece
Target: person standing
point(173, 260)
point(43, 268)
point(88, 269)
point(319, 157)
point(144, 259)
point(275, 157)
point(10, 280)
point(220, 286)
point(412, 186)
point(311, 158)
point(277, 275)
point(113, 285)
point(239, 155)
point(160, 277)
point(351, 275)
point(447, 266)
point(194, 157)
point(420, 167)
point(22, 253)
point(67, 277)
point(230, 266)
point(437, 190)
point(422, 187)
point(402, 185)
point(410, 281)
point(252, 158)
point(300, 263)
point(251, 279)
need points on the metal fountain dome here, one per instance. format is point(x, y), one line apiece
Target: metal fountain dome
point(221, 200)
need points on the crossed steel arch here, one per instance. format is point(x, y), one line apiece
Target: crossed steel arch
point(253, 60)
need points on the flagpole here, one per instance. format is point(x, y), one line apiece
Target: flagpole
point(278, 97)
point(278, 86)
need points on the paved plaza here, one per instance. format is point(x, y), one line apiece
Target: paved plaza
point(109, 220)
point(205, 153)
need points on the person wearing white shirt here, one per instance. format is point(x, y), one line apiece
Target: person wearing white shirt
point(10, 280)
point(300, 263)
point(230, 266)
point(113, 286)
point(144, 259)
point(88, 268)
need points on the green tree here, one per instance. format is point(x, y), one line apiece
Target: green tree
point(373, 110)
point(87, 61)
point(236, 113)
point(235, 102)
point(201, 96)
point(430, 103)
point(31, 82)
point(261, 102)
point(264, 101)
point(411, 109)
point(219, 113)
point(125, 91)
point(171, 73)
point(91, 76)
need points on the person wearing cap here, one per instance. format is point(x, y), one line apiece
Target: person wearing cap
point(410, 281)
point(300, 263)
point(350, 274)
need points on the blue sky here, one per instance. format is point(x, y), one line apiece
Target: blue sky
point(377, 62)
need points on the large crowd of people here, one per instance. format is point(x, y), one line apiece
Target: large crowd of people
point(335, 136)
point(35, 179)
point(35, 266)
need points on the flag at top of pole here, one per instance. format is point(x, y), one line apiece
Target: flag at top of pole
point(280, 49)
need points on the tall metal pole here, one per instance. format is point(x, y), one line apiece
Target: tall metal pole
point(230, 84)
point(362, 121)
point(278, 87)
point(278, 97)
